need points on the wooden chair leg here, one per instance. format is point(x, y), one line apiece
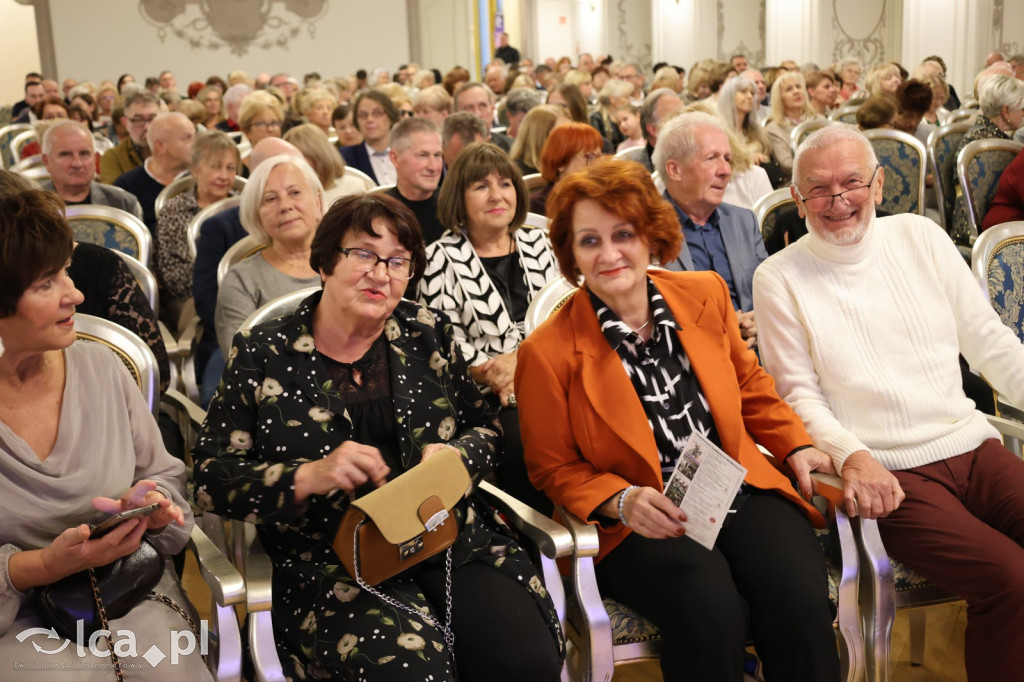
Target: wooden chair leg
point(918, 618)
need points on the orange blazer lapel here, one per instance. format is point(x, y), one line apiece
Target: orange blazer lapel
point(607, 386)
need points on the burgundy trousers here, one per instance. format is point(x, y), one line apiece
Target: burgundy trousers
point(962, 527)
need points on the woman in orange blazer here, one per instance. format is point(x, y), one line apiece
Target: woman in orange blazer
point(610, 387)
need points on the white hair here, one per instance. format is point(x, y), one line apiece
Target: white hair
point(830, 136)
point(252, 195)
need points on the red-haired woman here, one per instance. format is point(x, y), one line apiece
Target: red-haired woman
point(610, 388)
point(569, 147)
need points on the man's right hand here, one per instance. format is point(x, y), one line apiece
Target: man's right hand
point(869, 488)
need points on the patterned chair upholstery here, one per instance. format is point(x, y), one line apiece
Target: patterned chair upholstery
point(998, 266)
point(904, 159)
point(845, 114)
point(767, 209)
point(22, 140)
point(979, 167)
point(888, 584)
point(942, 145)
point(111, 227)
point(7, 134)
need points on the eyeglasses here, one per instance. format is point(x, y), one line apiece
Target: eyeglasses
point(141, 120)
point(373, 113)
point(590, 157)
point(403, 112)
point(365, 260)
point(823, 202)
point(266, 125)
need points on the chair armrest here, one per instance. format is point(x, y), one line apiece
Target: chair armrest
point(1007, 427)
point(190, 335)
point(828, 486)
point(258, 573)
point(584, 535)
point(552, 538)
point(223, 579)
point(170, 343)
point(184, 406)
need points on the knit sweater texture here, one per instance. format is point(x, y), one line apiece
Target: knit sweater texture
point(863, 342)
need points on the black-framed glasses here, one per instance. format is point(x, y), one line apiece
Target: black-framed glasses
point(365, 260)
point(404, 112)
point(141, 120)
point(823, 202)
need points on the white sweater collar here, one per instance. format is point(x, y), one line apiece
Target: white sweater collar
point(844, 254)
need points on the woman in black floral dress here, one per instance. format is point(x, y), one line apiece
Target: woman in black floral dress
point(353, 389)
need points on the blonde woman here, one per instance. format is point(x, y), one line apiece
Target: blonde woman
point(316, 105)
point(883, 78)
point(790, 107)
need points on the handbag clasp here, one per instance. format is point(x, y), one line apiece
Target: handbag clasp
point(436, 520)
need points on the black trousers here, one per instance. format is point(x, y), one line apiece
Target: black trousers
point(500, 635)
point(764, 579)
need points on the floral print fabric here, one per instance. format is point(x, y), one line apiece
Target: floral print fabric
point(276, 408)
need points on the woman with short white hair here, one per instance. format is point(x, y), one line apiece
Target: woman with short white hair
point(282, 205)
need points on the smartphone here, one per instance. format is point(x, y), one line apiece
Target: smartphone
point(109, 524)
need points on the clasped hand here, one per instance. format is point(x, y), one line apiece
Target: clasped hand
point(498, 373)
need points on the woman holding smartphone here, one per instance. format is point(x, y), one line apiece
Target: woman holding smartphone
point(77, 443)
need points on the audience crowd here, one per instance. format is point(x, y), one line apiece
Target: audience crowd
point(445, 180)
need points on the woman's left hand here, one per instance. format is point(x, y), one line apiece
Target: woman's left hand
point(142, 494)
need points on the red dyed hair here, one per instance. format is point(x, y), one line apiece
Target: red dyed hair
point(624, 189)
point(565, 142)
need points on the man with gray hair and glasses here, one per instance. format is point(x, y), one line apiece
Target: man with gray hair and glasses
point(861, 322)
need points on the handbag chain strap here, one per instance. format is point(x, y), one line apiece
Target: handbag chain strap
point(155, 596)
point(105, 625)
point(446, 627)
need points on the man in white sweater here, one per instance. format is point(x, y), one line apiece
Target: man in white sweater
point(861, 322)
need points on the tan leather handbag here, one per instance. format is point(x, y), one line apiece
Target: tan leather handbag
point(405, 521)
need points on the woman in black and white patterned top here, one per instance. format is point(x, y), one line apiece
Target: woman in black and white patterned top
point(484, 271)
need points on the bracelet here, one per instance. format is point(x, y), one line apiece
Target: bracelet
point(622, 501)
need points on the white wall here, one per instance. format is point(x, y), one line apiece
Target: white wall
point(103, 38)
point(21, 51)
point(554, 29)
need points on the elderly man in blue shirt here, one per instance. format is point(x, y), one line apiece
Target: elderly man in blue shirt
point(692, 156)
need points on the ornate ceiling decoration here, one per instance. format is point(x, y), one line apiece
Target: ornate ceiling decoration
point(237, 25)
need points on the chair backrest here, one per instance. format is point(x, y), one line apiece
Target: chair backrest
point(283, 305)
point(845, 114)
point(7, 135)
point(22, 140)
point(380, 189)
point(367, 180)
point(961, 114)
point(536, 220)
point(766, 209)
point(548, 300)
point(132, 351)
point(102, 143)
point(34, 161)
point(942, 145)
point(905, 161)
point(39, 175)
point(970, 103)
point(979, 167)
point(145, 278)
point(997, 262)
point(196, 224)
point(240, 250)
point(658, 183)
point(800, 132)
point(183, 184)
point(535, 181)
point(111, 227)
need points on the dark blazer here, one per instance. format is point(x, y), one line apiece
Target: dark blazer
point(585, 434)
point(355, 155)
point(743, 246)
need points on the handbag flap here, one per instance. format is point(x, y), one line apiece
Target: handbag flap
point(395, 506)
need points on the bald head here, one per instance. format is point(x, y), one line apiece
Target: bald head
point(272, 146)
point(993, 58)
point(167, 125)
